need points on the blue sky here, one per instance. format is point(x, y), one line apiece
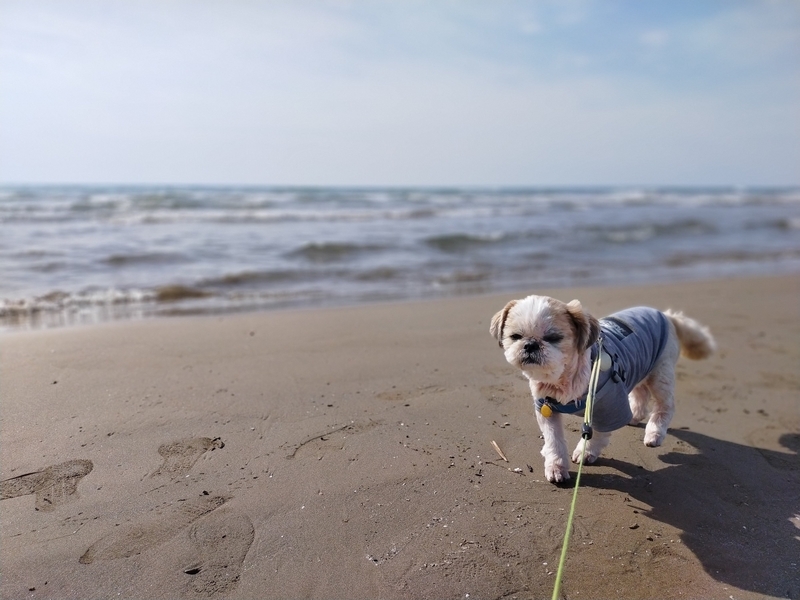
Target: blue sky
point(498, 93)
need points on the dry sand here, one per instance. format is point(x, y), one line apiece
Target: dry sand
point(347, 453)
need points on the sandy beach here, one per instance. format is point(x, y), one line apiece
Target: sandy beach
point(347, 453)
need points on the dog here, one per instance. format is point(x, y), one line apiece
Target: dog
point(554, 344)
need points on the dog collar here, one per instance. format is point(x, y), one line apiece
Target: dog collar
point(548, 405)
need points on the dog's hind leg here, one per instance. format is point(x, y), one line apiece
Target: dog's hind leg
point(661, 384)
point(660, 418)
point(639, 398)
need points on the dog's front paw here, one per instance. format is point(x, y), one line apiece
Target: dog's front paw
point(556, 471)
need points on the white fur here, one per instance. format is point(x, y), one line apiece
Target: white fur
point(564, 374)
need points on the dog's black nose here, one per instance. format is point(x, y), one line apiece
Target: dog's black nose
point(531, 346)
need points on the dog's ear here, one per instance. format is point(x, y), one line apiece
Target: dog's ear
point(587, 328)
point(499, 322)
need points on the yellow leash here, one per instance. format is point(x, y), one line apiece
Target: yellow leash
point(586, 434)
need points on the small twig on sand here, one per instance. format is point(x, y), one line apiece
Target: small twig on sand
point(516, 470)
point(500, 452)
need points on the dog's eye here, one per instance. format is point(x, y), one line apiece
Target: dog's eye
point(515, 337)
point(553, 338)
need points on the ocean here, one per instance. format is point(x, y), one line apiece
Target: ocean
point(87, 254)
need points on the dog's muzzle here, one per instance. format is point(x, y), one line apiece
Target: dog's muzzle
point(532, 353)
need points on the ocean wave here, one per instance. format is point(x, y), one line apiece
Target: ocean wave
point(379, 274)
point(58, 307)
point(641, 232)
point(58, 300)
point(143, 206)
point(460, 242)
point(682, 259)
point(789, 224)
point(51, 266)
point(249, 278)
point(462, 277)
point(326, 252)
point(146, 258)
point(235, 216)
point(177, 293)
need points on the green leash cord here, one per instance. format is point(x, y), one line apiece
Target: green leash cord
point(586, 434)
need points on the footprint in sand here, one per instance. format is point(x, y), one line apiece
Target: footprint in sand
point(53, 486)
point(180, 456)
point(135, 538)
point(221, 541)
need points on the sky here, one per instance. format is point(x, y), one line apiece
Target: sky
point(400, 93)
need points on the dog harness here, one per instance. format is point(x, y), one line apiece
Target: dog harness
point(634, 340)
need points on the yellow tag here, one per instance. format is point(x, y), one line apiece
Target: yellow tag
point(546, 410)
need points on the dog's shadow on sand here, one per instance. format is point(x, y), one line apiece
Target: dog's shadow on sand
point(738, 507)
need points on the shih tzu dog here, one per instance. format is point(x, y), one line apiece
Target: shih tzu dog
point(555, 345)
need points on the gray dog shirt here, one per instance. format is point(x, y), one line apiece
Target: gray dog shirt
point(634, 339)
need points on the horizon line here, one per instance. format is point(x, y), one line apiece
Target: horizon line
point(400, 187)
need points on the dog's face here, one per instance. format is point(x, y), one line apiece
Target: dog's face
point(544, 336)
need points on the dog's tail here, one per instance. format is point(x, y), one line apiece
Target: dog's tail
point(696, 339)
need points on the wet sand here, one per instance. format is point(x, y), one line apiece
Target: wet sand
point(347, 453)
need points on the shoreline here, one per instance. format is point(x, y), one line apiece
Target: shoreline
point(346, 452)
point(198, 313)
